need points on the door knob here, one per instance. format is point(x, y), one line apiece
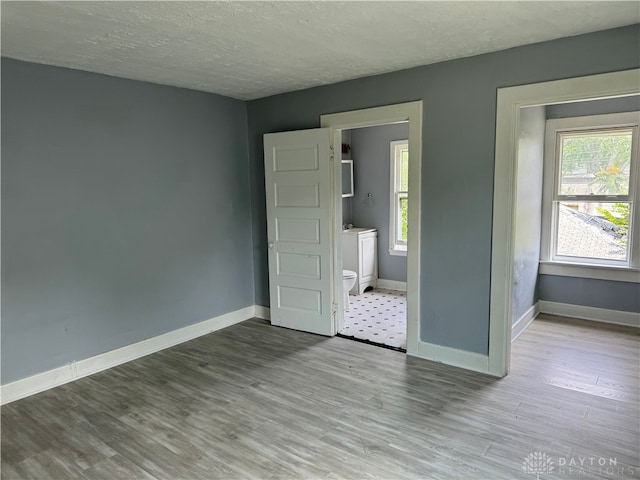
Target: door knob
point(271, 245)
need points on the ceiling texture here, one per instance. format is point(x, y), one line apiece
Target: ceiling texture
point(248, 50)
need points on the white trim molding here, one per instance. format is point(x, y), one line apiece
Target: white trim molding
point(616, 317)
point(82, 368)
point(552, 197)
point(524, 321)
point(396, 147)
point(509, 102)
point(391, 285)
point(263, 312)
point(452, 356)
point(598, 272)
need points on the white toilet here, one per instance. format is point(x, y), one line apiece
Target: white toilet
point(348, 281)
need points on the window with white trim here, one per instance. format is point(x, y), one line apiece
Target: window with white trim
point(399, 199)
point(590, 193)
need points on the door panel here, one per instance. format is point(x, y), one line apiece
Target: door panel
point(299, 222)
point(300, 230)
point(297, 196)
point(296, 159)
point(300, 299)
point(307, 266)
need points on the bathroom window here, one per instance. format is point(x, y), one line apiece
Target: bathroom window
point(399, 198)
point(590, 192)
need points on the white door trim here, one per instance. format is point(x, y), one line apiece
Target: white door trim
point(411, 111)
point(509, 102)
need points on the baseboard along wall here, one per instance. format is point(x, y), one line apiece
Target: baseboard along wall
point(82, 368)
point(453, 356)
point(263, 312)
point(616, 317)
point(524, 321)
point(459, 358)
point(603, 315)
point(391, 285)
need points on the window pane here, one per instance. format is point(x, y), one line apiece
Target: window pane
point(404, 171)
point(593, 230)
point(404, 219)
point(595, 163)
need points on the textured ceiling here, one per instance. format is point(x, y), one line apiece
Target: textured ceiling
point(249, 50)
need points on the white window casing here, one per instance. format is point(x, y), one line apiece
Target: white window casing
point(398, 194)
point(552, 260)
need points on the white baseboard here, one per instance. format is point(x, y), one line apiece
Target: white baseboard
point(263, 312)
point(72, 371)
point(616, 317)
point(454, 357)
point(524, 321)
point(391, 285)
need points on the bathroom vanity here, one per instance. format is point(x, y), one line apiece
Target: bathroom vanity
point(360, 254)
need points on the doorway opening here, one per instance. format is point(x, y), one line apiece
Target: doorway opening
point(374, 232)
point(355, 123)
point(304, 220)
point(513, 104)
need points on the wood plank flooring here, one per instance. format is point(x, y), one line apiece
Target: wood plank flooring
point(255, 401)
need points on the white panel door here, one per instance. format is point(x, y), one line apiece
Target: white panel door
point(299, 209)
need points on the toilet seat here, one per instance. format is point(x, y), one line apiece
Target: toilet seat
point(349, 274)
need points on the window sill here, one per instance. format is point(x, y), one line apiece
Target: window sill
point(398, 251)
point(600, 272)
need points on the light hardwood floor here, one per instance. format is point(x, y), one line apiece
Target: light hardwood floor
point(254, 401)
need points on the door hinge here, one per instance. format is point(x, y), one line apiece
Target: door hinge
point(334, 310)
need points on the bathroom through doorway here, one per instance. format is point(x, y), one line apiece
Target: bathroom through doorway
point(410, 114)
point(374, 234)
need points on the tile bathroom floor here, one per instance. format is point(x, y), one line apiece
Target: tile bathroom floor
point(378, 316)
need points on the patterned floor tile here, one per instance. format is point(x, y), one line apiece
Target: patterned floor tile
point(379, 316)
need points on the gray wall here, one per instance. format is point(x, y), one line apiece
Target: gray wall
point(125, 213)
point(370, 147)
point(459, 136)
point(346, 211)
point(594, 107)
point(589, 292)
point(585, 291)
point(528, 210)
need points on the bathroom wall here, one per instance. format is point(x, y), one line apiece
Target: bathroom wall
point(589, 292)
point(125, 213)
point(528, 210)
point(371, 162)
point(459, 104)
